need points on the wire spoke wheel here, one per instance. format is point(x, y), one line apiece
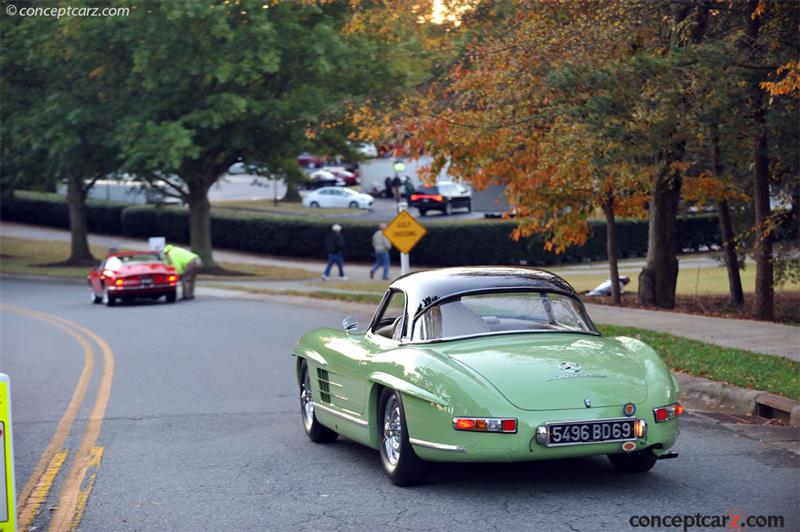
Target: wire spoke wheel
point(316, 431)
point(392, 430)
point(307, 402)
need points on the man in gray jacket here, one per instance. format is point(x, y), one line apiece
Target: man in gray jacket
point(381, 245)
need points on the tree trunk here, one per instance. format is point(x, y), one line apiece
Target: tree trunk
point(80, 254)
point(200, 225)
point(729, 251)
point(764, 304)
point(659, 277)
point(725, 226)
point(292, 193)
point(611, 248)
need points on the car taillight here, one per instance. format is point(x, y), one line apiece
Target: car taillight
point(665, 413)
point(438, 197)
point(119, 282)
point(172, 278)
point(484, 424)
point(414, 197)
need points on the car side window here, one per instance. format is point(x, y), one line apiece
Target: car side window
point(390, 322)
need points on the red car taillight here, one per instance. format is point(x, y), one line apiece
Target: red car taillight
point(665, 413)
point(437, 197)
point(484, 424)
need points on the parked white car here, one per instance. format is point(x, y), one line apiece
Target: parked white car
point(337, 198)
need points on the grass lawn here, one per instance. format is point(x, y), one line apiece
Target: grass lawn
point(258, 271)
point(690, 281)
point(19, 255)
point(378, 287)
point(352, 297)
point(735, 366)
point(707, 281)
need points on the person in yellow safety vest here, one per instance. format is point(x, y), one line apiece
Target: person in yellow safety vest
point(187, 264)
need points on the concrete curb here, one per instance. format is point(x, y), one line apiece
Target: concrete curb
point(697, 392)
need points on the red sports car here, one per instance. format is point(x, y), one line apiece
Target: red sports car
point(131, 274)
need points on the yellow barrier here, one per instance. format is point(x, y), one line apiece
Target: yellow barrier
point(7, 496)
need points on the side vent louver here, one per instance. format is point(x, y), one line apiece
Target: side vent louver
point(324, 385)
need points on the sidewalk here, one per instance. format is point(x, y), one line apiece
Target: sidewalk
point(757, 336)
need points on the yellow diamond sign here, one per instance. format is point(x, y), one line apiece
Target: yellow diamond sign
point(404, 232)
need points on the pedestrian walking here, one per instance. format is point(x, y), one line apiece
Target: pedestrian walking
point(381, 245)
point(187, 264)
point(387, 184)
point(396, 184)
point(334, 247)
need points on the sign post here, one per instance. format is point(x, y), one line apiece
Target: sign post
point(7, 496)
point(404, 232)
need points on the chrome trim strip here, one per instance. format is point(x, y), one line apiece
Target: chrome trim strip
point(438, 446)
point(115, 288)
point(342, 415)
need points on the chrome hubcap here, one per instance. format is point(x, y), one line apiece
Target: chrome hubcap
point(306, 402)
point(392, 430)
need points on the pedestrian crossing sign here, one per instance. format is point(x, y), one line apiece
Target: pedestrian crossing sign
point(7, 495)
point(404, 232)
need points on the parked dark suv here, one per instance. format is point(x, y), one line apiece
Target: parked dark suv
point(442, 197)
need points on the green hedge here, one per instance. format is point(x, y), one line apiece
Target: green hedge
point(445, 244)
point(43, 208)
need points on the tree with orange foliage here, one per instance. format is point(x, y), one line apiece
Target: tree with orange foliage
point(497, 117)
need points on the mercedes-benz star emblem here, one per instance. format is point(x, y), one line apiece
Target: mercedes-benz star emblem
point(570, 367)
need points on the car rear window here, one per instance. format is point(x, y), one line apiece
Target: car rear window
point(500, 312)
point(428, 190)
point(139, 258)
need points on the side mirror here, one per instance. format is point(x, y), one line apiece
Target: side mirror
point(350, 324)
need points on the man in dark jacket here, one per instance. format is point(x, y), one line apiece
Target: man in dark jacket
point(334, 247)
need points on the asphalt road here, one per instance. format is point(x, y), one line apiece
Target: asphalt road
point(202, 431)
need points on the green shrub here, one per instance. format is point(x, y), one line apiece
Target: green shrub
point(43, 208)
point(445, 244)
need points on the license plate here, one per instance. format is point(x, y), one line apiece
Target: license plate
point(580, 432)
point(147, 281)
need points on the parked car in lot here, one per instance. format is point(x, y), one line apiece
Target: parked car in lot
point(338, 197)
point(336, 172)
point(323, 178)
point(444, 197)
point(486, 364)
point(132, 274)
point(308, 160)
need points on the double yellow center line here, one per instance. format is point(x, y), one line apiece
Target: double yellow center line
point(78, 483)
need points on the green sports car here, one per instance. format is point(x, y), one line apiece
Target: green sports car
point(486, 364)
